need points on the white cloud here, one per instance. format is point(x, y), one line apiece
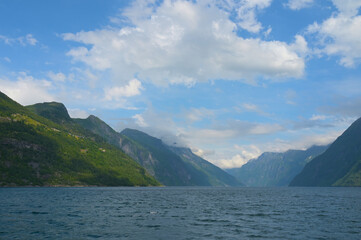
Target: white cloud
point(303, 141)
point(198, 114)
point(23, 40)
point(29, 39)
point(245, 153)
point(27, 90)
point(240, 154)
point(267, 32)
point(203, 153)
point(7, 59)
point(183, 42)
point(250, 107)
point(57, 77)
point(340, 35)
point(348, 107)
point(246, 11)
point(78, 113)
point(299, 4)
point(290, 97)
point(347, 7)
point(131, 89)
point(316, 117)
point(234, 162)
point(139, 120)
point(300, 46)
point(6, 40)
point(163, 126)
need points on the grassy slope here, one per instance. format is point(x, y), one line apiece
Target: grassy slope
point(37, 151)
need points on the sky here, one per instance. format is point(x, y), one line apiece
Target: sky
point(229, 79)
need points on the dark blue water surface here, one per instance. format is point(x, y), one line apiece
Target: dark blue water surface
point(180, 213)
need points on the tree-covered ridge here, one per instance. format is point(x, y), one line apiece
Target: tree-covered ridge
point(37, 151)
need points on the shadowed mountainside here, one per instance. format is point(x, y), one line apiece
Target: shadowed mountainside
point(340, 165)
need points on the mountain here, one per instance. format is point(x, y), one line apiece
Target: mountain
point(173, 166)
point(339, 165)
point(36, 151)
point(99, 127)
point(275, 169)
point(53, 111)
point(169, 165)
point(215, 175)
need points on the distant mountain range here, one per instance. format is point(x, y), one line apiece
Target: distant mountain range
point(275, 169)
point(339, 165)
point(41, 145)
point(171, 166)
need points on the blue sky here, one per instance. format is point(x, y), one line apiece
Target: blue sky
point(229, 79)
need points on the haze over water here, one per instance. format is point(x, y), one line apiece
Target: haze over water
point(180, 213)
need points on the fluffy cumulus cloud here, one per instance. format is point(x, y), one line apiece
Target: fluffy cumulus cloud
point(133, 88)
point(299, 4)
point(246, 12)
point(340, 35)
point(182, 42)
point(26, 89)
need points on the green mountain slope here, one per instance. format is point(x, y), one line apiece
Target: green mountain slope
point(53, 111)
point(97, 126)
point(340, 165)
point(275, 169)
point(170, 166)
point(37, 151)
point(57, 113)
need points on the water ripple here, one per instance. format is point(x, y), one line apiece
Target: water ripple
point(180, 213)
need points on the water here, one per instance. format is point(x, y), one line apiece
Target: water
point(180, 213)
